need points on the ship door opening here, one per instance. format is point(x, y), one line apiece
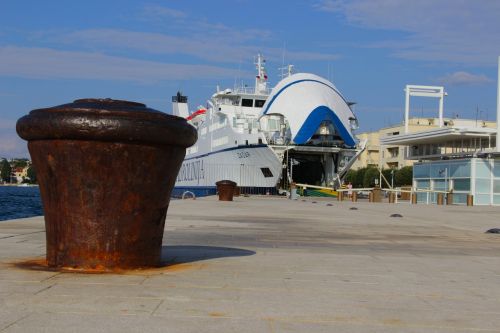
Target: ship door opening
point(304, 169)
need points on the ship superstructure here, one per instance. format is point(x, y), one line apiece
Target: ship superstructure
point(300, 131)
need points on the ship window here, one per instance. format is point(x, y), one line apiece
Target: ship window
point(273, 125)
point(266, 172)
point(247, 102)
point(259, 103)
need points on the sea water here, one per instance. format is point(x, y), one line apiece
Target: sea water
point(19, 201)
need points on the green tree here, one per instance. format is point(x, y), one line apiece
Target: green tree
point(369, 177)
point(360, 176)
point(32, 174)
point(404, 176)
point(388, 176)
point(350, 177)
point(19, 163)
point(5, 171)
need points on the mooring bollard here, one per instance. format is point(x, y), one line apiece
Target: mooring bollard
point(106, 169)
point(413, 198)
point(392, 197)
point(340, 195)
point(440, 199)
point(377, 194)
point(370, 196)
point(354, 196)
point(449, 199)
point(226, 189)
point(470, 200)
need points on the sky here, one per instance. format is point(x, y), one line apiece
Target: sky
point(53, 52)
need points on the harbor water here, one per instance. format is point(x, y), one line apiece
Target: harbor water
point(19, 201)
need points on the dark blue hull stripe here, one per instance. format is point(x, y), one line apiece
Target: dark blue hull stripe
point(314, 120)
point(203, 191)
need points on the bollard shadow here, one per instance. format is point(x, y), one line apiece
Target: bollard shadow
point(182, 254)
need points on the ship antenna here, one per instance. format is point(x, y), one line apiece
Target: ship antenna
point(261, 78)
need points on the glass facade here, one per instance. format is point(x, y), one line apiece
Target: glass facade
point(476, 176)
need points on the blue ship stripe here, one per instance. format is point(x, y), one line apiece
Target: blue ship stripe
point(314, 120)
point(227, 149)
point(299, 81)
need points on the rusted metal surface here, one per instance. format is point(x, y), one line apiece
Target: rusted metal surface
point(377, 194)
point(38, 264)
point(440, 199)
point(226, 189)
point(414, 198)
point(449, 199)
point(470, 200)
point(106, 169)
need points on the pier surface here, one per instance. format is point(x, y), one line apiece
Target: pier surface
point(264, 264)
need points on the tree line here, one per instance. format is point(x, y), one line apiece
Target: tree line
point(365, 177)
point(6, 170)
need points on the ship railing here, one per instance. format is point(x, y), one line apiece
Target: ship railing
point(250, 90)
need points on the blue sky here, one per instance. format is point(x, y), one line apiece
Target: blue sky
point(52, 52)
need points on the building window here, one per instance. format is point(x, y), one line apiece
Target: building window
point(393, 152)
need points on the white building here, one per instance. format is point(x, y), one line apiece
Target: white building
point(463, 159)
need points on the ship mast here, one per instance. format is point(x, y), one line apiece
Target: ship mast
point(261, 78)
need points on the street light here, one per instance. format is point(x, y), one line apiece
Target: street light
point(445, 171)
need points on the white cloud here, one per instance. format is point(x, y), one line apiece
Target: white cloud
point(459, 31)
point(225, 46)
point(10, 143)
point(161, 12)
point(156, 43)
point(45, 63)
point(464, 78)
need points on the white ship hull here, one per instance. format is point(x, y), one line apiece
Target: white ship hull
point(254, 167)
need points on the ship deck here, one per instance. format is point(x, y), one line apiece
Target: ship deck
point(262, 264)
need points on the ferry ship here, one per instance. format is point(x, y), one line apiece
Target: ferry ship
point(300, 131)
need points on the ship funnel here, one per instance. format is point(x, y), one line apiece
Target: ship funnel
point(179, 105)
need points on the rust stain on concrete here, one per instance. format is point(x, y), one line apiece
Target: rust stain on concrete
point(41, 264)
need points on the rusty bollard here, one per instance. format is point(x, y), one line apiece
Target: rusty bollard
point(440, 199)
point(449, 198)
point(106, 169)
point(470, 200)
point(225, 188)
point(340, 195)
point(377, 194)
point(354, 196)
point(414, 198)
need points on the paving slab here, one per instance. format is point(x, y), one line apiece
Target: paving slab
point(269, 264)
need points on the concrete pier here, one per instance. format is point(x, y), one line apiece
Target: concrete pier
point(265, 264)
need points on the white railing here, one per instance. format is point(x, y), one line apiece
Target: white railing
point(412, 192)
